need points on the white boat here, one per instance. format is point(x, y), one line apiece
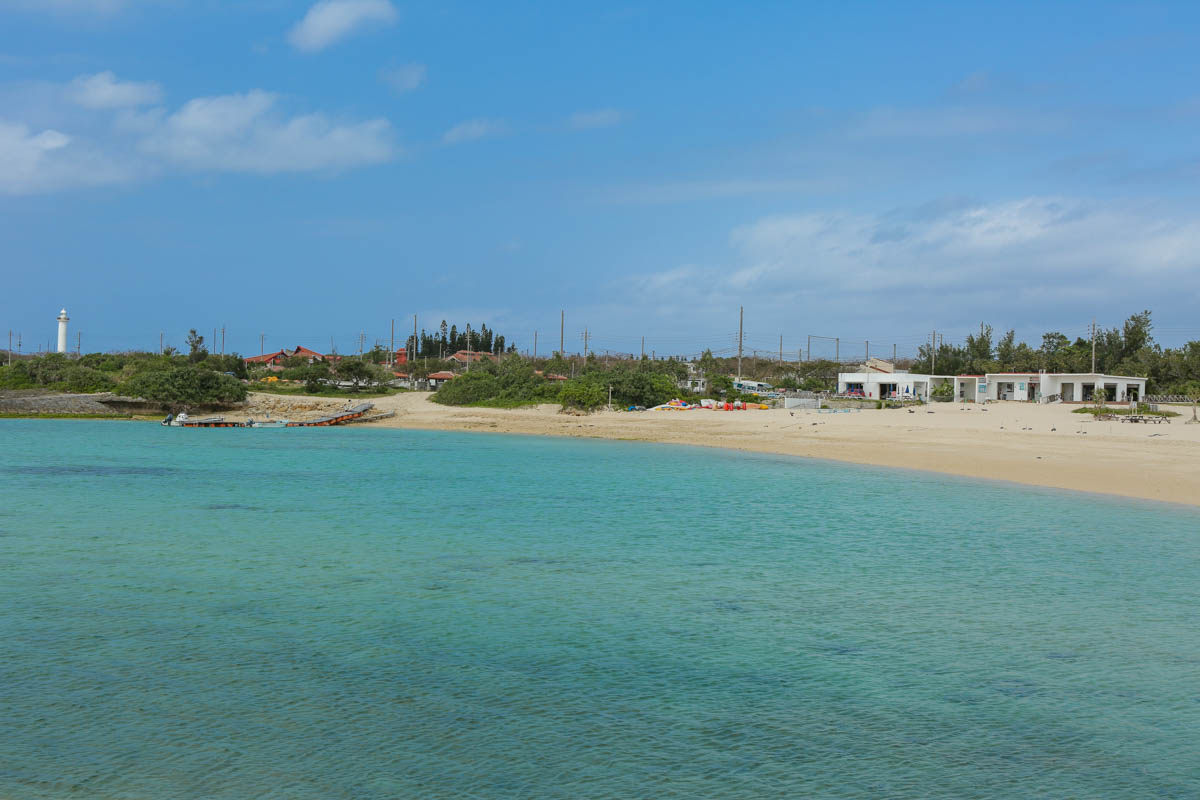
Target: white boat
point(182, 420)
point(268, 423)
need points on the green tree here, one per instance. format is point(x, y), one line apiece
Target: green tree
point(196, 350)
point(358, 373)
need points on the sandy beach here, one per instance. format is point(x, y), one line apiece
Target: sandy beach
point(1042, 445)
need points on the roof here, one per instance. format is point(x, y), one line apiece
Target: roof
point(470, 355)
point(265, 357)
point(442, 376)
point(304, 351)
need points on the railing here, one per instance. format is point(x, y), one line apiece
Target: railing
point(1168, 398)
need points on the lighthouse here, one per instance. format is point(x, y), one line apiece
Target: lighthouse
point(63, 319)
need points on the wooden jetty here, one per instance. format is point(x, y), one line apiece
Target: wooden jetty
point(346, 415)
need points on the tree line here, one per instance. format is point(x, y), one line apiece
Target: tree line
point(446, 341)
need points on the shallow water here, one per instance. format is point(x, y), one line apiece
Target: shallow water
point(348, 613)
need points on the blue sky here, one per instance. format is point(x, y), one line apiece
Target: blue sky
point(870, 171)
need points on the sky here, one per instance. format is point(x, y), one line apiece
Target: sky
point(307, 172)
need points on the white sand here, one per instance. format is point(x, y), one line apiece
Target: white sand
point(1043, 445)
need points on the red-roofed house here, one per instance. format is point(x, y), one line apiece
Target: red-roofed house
point(268, 359)
point(436, 379)
point(469, 356)
point(276, 359)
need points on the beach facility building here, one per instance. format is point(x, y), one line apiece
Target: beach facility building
point(875, 385)
point(1032, 387)
point(1070, 387)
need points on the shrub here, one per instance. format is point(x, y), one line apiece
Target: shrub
point(83, 380)
point(16, 377)
point(180, 387)
point(582, 393)
point(470, 387)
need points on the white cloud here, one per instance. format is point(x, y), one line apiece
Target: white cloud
point(48, 160)
point(330, 21)
point(98, 130)
point(247, 133)
point(600, 118)
point(473, 129)
point(405, 78)
point(103, 90)
point(1039, 257)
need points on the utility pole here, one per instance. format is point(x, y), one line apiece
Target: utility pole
point(78, 344)
point(160, 343)
point(562, 321)
point(413, 354)
point(868, 349)
point(535, 345)
point(643, 347)
point(585, 342)
point(392, 351)
point(741, 318)
point(893, 355)
point(262, 344)
point(933, 352)
point(222, 341)
point(809, 348)
point(468, 347)
point(837, 350)
point(1093, 345)
point(781, 349)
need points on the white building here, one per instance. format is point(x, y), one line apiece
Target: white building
point(883, 385)
point(695, 382)
point(1016, 386)
point(1070, 387)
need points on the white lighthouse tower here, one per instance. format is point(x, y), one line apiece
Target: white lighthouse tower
point(63, 319)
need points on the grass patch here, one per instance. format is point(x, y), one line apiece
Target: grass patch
point(59, 415)
point(1122, 411)
point(298, 389)
point(498, 402)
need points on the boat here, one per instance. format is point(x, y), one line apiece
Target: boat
point(268, 423)
point(182, 420)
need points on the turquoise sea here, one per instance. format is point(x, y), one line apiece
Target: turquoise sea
point(348, 613)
